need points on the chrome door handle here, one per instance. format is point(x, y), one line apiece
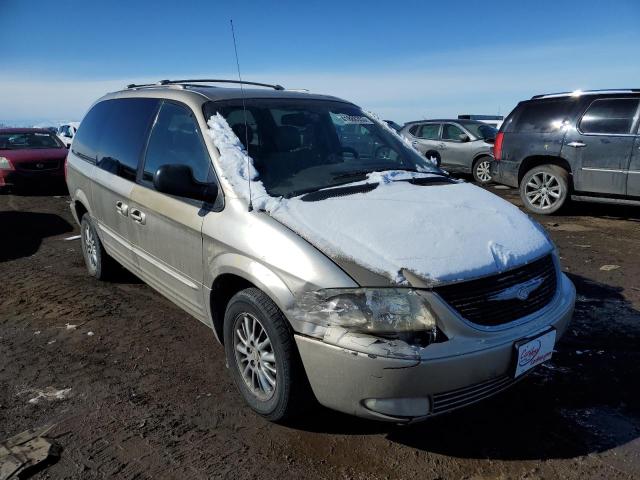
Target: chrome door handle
point(415, 143)
point(576, 144)
point(122, 208)
point(137, 216)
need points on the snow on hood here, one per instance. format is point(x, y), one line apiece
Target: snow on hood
point(441, 233)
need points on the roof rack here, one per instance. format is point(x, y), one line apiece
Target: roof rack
point(577, 93)
point(204, 80)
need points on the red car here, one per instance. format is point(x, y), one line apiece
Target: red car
point(30, 155)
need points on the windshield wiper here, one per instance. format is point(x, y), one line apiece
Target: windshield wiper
point(361, 173)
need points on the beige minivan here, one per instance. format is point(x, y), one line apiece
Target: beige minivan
point(329, 257)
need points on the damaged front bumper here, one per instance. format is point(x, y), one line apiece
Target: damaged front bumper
point(371, 379)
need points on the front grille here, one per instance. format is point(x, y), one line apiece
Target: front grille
point(446, 401)
point(479, 300)
point(39, 166)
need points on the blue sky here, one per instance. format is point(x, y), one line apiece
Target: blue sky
point(404, 60)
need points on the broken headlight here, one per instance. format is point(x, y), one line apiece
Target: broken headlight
point(389, 312)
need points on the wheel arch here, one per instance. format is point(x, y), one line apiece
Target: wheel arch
point(537, 160)
point(80, 206)
point(237, 273)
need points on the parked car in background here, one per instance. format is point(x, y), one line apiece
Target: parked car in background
point(456, 145)
point(30, 155)
point(397, 127)
point(578, 145)
point(494, 120)
point(393, 291)
point(67, 131)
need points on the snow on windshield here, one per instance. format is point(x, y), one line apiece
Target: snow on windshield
point(443, 233)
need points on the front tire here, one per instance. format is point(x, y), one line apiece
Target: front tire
point(482, 170)
point(545, 189)
point(262, 356)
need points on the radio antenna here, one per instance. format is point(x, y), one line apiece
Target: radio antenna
point(244, 111)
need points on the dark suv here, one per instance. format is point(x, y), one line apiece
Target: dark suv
point(580, 145)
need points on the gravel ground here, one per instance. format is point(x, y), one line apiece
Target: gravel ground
point(135, 388)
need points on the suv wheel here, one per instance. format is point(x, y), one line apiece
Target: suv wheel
point(544, 189)
point(261, 355)
point(433, 156)
point(482, 170)
point(97, 260)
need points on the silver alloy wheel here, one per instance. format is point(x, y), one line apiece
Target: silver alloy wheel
point(91, 247)
point(483, 171)
point(254, 356)
point(543, 190)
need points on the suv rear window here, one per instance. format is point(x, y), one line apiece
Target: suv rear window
point(610, 115)
point(542, 117)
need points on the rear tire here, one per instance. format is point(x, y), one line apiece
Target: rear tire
point(433, 155)
point(545, 189)
point(482, 170)
point(262, 356)
point(98, 262)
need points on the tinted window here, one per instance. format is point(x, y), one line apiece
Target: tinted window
point(124, 133)
point(615, 115)
point(429, 131)
point(176, 139)
point(414, 130)
point(86, 140)
point(543, 117)
point(451, 132)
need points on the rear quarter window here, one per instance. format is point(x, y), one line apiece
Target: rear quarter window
point(541, 116)
point(124, 133)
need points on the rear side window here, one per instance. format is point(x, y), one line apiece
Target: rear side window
point(85, 143)
point(414, 130)
point(176, 139)
point(543, 117)
point(429, 131)
point(123, 135)
point(611, 116)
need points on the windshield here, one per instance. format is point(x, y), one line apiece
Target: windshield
point(299, 146)
point(28, 141)
point(481, 130)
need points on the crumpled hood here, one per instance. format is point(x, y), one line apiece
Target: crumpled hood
point(440, 233)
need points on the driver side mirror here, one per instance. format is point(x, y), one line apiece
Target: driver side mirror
point(464, 137)
point(177, 179)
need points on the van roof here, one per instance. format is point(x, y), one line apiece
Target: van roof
point(213, 92)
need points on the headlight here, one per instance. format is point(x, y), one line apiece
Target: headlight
point(385, 311)
point(5, 164)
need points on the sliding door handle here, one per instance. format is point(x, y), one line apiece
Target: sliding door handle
point(122, 208)
point(137, 216)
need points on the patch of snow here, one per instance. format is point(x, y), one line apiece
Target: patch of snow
point(70, 326)
point(74, 237)
point(440, 233)
point(49, 394)
point(90, 334)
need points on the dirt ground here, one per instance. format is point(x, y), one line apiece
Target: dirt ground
point(135, 388)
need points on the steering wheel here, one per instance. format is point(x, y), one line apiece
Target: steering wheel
point(350, 150)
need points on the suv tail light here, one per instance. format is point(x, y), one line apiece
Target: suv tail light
point(497, 146)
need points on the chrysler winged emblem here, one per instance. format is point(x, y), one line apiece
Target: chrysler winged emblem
point(520, 291)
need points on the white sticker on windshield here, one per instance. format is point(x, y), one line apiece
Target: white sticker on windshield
point(354, 119)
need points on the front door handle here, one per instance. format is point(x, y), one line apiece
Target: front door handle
point(576, 144)
point(442, 145)
point(122, 208)
point(137, 216)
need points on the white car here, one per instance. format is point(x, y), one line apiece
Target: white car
point(67, 131)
